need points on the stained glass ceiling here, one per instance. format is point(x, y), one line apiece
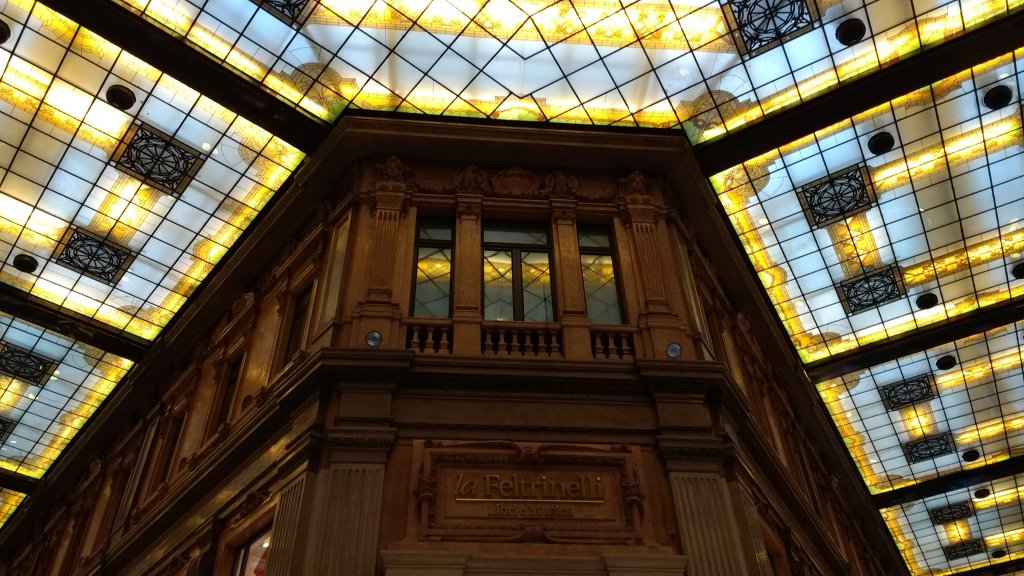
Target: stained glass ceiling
point(963, 529)
point(953, 407)
point(902, 216)
point(124, 184)
point(706, 67)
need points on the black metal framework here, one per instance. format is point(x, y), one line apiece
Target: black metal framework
point(873, 289)
point(92, 255)
point(760, 25)
point(291, 12)
point(837, 196)
point(929, 447)
point(951, 513)
point(908, 392)
point(964, 549)
point(25, 365)
point(157, 159)
point(432, 290)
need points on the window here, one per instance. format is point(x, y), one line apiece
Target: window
point(297, 326)
point(232, 375)
point(252, 556)
point(432, 295)
point(517, 274)
point(599, 277)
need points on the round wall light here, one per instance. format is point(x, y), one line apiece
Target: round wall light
point(373, 338)
point(673, 350)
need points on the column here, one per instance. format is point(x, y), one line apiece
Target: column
point(467, 314)
point(707, 527)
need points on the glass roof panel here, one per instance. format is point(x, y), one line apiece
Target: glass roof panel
point(708, 67)
point(953, 407)
point(904, 215)
point(125, 211)
point(49, 386)
point(960, 530)
point(9, 502)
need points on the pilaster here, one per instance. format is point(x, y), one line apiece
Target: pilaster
point(467, 314)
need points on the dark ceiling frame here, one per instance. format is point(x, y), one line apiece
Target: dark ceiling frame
point(949, 482)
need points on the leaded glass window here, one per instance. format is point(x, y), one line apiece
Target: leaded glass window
point(92, 255)
point(929, 447)
point(907, 392)
point(157, 159)
point(291, 12)
point(6, 425)
point(432, 294)
point(870, 290)
point(836, 197)
point(964, 549)
point(599, 277)
point(951, 513)
point(762, 24)
point(24, 365)
point(517, 275)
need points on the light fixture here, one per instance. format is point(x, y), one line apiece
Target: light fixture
point(373, 338)
point(999, 553)
point(25, 263)
point(997, 97)
point(673, 350)
point(850, 31)
point(881, 143)
point(1018, 271)
point(120, 96)
point(946, 362)
point(5, 32)
point(926, 301)
point(982, 493)
point(971, 455)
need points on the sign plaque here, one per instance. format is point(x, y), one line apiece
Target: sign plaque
point(504, 491)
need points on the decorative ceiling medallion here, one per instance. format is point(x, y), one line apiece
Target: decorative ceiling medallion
point(291, 12)
point(873, 289)
point(951, 513)
point(836, 196)
point(24, 365)
point(92, 255)
point(964, 549)
point(763, 24)
point(157, 159)
point(908, 392)
point(929, 447)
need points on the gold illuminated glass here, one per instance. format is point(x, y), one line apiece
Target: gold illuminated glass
point(599, 285)
point(651, 63)
point(517, 275)
point(852, 245)
point(432, 293)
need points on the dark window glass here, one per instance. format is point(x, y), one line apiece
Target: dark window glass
point(232, 375)
point(252, 557)
point(432, 294)
point(297, 326)
point(599, 277)
point(517, 275)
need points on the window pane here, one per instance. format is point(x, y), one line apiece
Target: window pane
point(515, 236)
point(439, 233)
point(537, 299)
point(252, 559)
point(498, 291)
point(595, 240)
point(433, 282)
point(599, 286)
point(297, 327)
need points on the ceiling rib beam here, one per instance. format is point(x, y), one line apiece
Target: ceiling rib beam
point(1001, 569)
point(853, 97)
point(17, 482)
point(211, 78)
point(27, 307)
point(953, 481)
point(956, 328)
